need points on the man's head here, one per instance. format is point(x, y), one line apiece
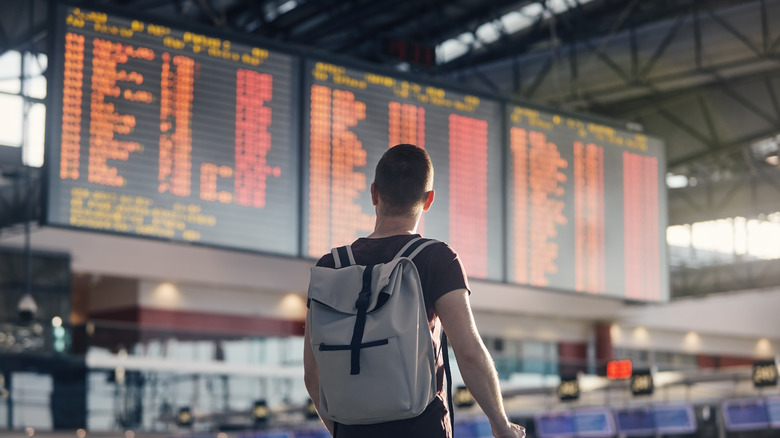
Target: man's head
point(404, 180)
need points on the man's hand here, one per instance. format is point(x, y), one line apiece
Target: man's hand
point(514, 431)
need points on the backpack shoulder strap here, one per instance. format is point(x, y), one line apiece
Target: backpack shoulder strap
point(342, 256)
point(414, 246)
point(448, 373)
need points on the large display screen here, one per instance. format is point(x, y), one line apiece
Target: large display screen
point(177, 135)
point(354, 116)
point(586, 207)
point(172, 134)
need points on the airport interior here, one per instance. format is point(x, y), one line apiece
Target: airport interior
point(607, 170)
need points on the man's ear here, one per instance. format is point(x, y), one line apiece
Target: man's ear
point(428, 201)
point(374, 194)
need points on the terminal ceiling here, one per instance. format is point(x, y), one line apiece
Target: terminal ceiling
point(702, 74)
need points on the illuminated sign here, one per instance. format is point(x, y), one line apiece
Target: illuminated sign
point(618, 369)
point(642, 382)
point(764, 373)
point(354, 116)
point(184, 417)
point(310, 411)
point(586, 207)
point(260, 412)
point(463, 397)
point(569, 388)
point(171, 134)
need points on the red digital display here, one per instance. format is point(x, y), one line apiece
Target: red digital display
point(354, 116)
point(585, 207)
point(619, 369)
point(172, 134)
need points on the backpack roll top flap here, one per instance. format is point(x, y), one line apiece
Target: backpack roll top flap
point(395, 377)
point(338, 292)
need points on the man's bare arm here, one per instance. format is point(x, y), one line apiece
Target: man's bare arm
point(474, 361)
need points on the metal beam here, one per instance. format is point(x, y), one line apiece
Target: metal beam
point(738, 275)
point(772, 96)
point(764, 27)
point(529, 92)
point(697, 38)
point(724, 147)
point(609, 63)
point(598, 14)
point(344, 17)
point(643, 105)
point(708, 119)
point(492, 85)
point(729, 195)
point(744, 102)
point(745, 40)
point(367, 34)
point(616, 25)
point(685, 127)
point(659, 51)
point(469, 18)
point(683, 194)
point(12, 44)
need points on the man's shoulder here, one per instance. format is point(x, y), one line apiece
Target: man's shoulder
point(384, 249)
point(439, 248)
point(326, 261)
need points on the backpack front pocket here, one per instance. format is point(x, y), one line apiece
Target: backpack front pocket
point(372, 394)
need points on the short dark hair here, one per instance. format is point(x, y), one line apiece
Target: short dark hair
point(403, 178)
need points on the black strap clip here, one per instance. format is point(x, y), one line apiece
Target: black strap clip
point(364, 298)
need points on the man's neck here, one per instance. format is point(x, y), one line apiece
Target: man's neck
point(387, 226)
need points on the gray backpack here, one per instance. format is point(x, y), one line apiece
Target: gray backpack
point(369, 331)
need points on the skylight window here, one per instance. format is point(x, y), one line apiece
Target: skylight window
point(757, 238)
point(509, 23)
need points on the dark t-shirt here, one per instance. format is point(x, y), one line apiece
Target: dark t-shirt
point(440, 272)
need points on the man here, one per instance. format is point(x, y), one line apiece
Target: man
point(401, 191)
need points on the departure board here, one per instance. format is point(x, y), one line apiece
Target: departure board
point(172, 134)
point(586, 207)
point(353, 117)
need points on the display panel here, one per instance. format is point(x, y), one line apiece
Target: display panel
point(635, 421)
point(555, 425)
point(172, 134)
point(473, 429)
point(586, 207)
point(354, 116)
point(773, 411)
point(674, 419)
point(659, 419)
point(745, 414)
point(594, 422)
